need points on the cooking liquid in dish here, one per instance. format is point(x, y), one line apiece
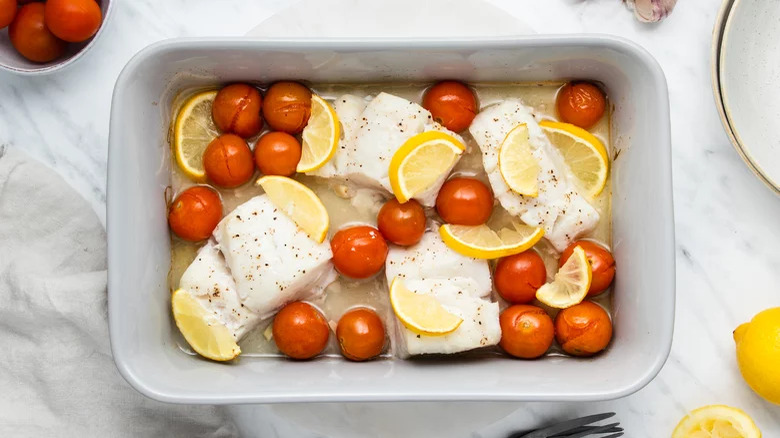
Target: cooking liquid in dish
point(345, 293)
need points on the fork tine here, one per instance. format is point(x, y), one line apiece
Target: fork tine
point(616, 435)
point(591, 429)
point(567, 425)
point(596, 430)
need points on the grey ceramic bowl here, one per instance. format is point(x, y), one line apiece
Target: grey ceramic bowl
point(12, 61)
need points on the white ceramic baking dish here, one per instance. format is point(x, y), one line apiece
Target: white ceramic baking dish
point(143, 338)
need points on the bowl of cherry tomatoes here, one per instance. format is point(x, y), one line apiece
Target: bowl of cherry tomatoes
point(38, 37)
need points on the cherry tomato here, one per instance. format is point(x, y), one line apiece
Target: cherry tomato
point(7, 12)
point(601, 262)
point(287, 107)
point(195, 213)
point(277, 153)
point(73, 20)
point(464, 201)
point(228, 161)
point(300, 331)
point(361, 334)
point(402, 224)
point(452, 104)
point(526, 331)
point(236, 109)
point(518, 276)
point(583, 329)
point(358, 252)
point(30, 36)
point(581, 104)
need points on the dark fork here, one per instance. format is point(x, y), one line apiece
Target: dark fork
point(576, 428)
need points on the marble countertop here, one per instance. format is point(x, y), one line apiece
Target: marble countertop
point(727, 269)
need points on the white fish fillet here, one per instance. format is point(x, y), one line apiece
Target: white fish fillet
point(272, 260)
point(559, 208)
point(348, 108)
point(209, 281)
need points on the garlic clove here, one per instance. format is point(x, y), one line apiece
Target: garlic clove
point(651, 10)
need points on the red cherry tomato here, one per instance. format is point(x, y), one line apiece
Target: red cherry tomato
point(73, 20)
point(361, 334)
point(236, 109)
point(7, 12)
point(518, 276)
point(30, 36)
point(601, 262)
point(287, 107)
point(195, 213)
point(300, 331)
point(583, 329)
point(526, 331)
point(452, 104)
point(277, 153)
point(464, 201)
point(581, 104)
point(358, 252)
point(228, 161)
point(402, 224)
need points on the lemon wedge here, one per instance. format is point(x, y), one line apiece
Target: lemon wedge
point(193, 131)
point(585, 155)
point(716, 421)
point(320, 136)
point(299, 203)
point(517, 164)
point(421, 161)
point(481, 242)
point(203, 331)
point(421, 313)
point(571, 283)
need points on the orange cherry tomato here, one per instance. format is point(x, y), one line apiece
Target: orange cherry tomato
point(287, 107)
point(402, 224)
point(236, 109)
point(583, 329)
point(581, 104)
point(602, 264)
point(518, 276)
point(195, 213)
point(7, 12)
point(361, 334)
point(358, 252)
point(452, 104)
point(464, 201)
point(73, 20)
point(526, 331)
point(30, 36)
point(228, 161)
point(300, 331)
point(277, 153)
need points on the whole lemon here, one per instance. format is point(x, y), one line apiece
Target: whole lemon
point(758, 353)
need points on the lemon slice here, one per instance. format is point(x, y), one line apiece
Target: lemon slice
point(299, 203)
point(571, 283)
point(517, 164)
point(481, 242)
point(421, 161)
point(421, 313)
point(716, 421)
point(193, 131)
point(585, 155)
point(203, 331)
point(320, 136)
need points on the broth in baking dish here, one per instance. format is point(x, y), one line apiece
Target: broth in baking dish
point(352, 202)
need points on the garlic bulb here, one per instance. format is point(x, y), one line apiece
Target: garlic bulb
point(651, 10)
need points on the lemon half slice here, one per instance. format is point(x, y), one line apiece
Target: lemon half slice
point(585, 155)
point(421, 313)
point(320, 136)
point(571, 283)
point(716, 421)
point(421, 161)
point(517, 164)
point(203, 331)
point(299, 203)
point(193, 131)
point(481, 242)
